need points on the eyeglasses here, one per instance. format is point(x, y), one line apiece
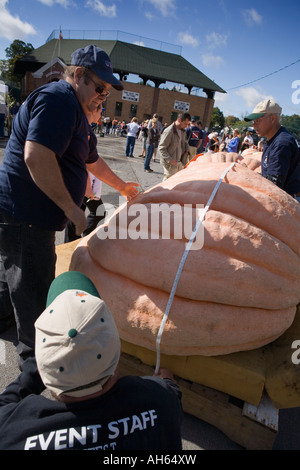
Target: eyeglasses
point(99, 89)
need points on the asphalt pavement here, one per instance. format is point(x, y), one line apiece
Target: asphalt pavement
point(197, 434)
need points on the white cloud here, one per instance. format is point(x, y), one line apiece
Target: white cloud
point(221, 97)
point(252, 17)
point(216, 40)
point(165, 7)
point(12, 27)
point(210, 60)
point(149, 15)
point(63, 3)
point(188, 39)
point(241, 102)
point(252, 96)
point(99, 6)
point(224, 8)
point(228, 104)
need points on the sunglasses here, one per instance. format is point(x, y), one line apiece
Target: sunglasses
point(99, 89)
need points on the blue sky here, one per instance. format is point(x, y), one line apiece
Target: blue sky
point(234, 43)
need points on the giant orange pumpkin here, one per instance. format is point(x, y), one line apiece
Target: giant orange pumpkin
point(252, 153)
point(238, 292)
point(250, 158)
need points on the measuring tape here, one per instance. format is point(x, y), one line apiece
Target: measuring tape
point(177, 277)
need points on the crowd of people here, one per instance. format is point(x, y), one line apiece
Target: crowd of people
point(107, 126)
point(196, 140)
point(150, 132)
point(199, 140)
point(233, 140)
point(177, 143)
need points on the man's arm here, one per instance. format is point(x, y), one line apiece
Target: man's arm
point(45, 172)
point(102, 171)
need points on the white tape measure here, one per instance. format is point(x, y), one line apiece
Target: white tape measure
point(178, 274)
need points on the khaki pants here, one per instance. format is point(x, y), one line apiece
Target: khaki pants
point(193, 153)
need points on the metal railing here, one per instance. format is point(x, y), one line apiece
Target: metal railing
point(115, 35)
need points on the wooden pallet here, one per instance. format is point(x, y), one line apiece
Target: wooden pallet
point(253, 428)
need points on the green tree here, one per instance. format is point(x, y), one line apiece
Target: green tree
point(3, 68)
point(231, 121)
point(217, 118)
point(292, 124)
point(15, 51)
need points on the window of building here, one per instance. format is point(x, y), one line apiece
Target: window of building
point(174, 116)
point(133, 110)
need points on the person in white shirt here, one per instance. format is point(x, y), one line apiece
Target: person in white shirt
point(132, 132)
point(248, 140)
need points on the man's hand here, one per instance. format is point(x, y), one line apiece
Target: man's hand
point(102, 171)
point(77, 216)
point(165, 374)
point(130, 190)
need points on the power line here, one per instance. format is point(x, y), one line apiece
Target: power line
point(265, 76)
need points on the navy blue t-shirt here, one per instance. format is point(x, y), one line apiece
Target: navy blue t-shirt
point(281, 160)
point(53, 117)
point(194, 134)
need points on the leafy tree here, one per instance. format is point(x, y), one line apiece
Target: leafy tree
point(15, 51)
point(242, 125)
point(3, 68)
point(231, 121)
point(292, 124)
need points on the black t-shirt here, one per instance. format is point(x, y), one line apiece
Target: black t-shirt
point(138, 413)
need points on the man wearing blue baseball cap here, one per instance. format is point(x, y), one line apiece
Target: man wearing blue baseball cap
point(43, 181)
point(98, 61)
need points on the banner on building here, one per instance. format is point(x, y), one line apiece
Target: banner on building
point(130, 96)
point(181, 106)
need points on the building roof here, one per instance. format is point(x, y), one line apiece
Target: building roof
point(155, 65)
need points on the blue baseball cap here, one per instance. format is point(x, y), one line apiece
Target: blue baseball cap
point(99, 62)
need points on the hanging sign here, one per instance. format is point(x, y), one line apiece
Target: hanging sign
point(181, 106)
point(130, 96)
